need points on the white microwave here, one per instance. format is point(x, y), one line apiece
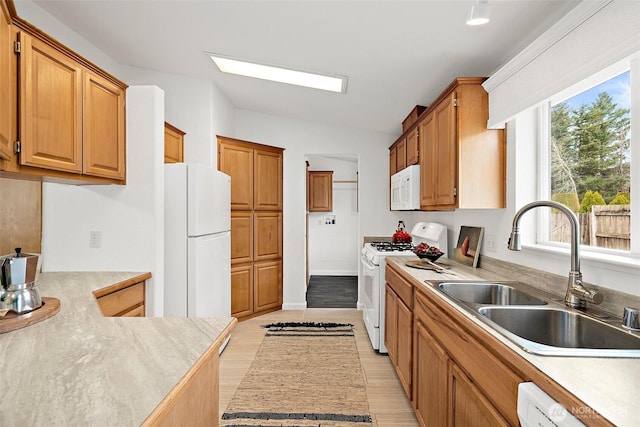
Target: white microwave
point(405, 189)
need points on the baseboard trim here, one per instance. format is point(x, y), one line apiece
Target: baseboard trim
point(333, 273)
point(295, 306)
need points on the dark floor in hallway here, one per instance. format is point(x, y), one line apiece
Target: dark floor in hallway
point(332, 292)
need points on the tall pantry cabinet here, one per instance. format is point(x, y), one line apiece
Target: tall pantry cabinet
point(256, 225)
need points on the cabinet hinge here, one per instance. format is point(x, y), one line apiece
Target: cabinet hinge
point(17, 47)
point(455, 102)
point(455, 191)
point(16, 147)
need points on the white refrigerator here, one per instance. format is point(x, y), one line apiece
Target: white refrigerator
point(197, 261)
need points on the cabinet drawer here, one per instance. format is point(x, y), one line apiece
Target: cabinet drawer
point(484, 369)
point(124, 301)
point(135, 312)
point(400, 286)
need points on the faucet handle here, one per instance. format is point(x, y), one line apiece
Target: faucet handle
point(631, 318)
point(578, 295)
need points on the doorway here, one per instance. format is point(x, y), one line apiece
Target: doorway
point(332, 236)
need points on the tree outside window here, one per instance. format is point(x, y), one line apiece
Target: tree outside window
point(590, 159)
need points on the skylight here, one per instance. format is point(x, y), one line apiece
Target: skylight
point(282, 75)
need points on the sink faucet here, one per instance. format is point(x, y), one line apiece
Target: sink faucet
point(577, 294)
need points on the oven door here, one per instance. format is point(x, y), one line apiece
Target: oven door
point(371, 297)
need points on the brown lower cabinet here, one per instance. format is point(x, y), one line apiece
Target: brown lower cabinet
point(398, 333)
point(124, 299)
point(460, 375)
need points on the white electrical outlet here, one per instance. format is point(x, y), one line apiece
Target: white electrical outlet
point(95, 239)
point(490, 243)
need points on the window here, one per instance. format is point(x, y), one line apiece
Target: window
point(586, 160)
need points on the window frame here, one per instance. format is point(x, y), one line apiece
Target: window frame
point(610, 256)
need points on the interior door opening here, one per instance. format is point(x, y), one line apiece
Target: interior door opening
point(333, 253)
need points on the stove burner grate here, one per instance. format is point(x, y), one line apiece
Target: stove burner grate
point(392, 247)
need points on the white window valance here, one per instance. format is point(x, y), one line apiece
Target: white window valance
point(592, 36)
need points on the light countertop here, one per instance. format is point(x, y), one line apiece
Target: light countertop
point(79, 368)
point(610, 386)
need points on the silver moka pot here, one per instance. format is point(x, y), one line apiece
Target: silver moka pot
point(18, 275)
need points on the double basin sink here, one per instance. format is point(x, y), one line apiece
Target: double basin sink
point(539, 324)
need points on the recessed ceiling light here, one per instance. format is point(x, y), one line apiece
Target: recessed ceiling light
point(282, 75)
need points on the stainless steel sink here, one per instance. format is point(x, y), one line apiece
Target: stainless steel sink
point(561, 332)
point(488, 293)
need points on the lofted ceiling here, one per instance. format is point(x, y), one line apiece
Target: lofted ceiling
point(396, 54)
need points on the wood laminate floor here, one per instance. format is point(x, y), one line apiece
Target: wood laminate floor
point(388, 404)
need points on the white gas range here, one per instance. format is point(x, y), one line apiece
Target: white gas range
point(373, 262)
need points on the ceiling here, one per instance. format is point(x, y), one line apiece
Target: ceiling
point(396, 54)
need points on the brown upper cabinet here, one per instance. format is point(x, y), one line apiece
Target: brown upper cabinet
point(393, 159)
point(173, 144)
point(320, 191)
point(462, 163)
point(71, 114)
point(404, 152)
point(412, 118)
point(401, 157)
point(7, 100)
point(412, 150)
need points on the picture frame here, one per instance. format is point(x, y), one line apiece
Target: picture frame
point(467, 250)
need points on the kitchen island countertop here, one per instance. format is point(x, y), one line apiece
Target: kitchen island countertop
point(610, 386)
point(80, 368)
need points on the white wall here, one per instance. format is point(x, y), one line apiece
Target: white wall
point(32, 13)
point(194, 106)
point(130, 218)
point(300, 138)
point(334, 248)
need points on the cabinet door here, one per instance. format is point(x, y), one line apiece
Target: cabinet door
point(8, 104)
point(429, 378)
point(267, 286)
point(241, 236)
point(267, 181)
point(468, 406)
point(241, 290)
point(446, 152)
point(404, 343)
point(237, 162)
point(401, 160)
point(393, 160)
point(267, 240)
point(173, 144)
point(320, 191)
point(412, 147)
point(50, 108)
point(390, 326)
point(428, 162)
point(103, 128)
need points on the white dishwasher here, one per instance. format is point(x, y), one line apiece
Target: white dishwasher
point(537, 409)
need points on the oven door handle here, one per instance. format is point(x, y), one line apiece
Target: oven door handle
point(368, 264)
